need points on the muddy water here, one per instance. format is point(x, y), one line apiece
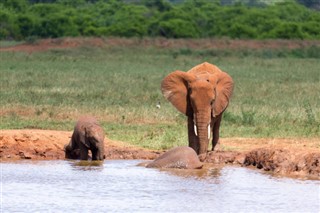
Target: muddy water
point(66, 186)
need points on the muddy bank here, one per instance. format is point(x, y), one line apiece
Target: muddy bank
point(65, 43)
point(277, 160)
point(299, 157)
point(284, 161)
point(48, 145)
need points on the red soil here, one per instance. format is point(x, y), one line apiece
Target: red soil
point(63, 43)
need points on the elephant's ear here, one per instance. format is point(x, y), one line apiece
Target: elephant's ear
point(224, 89)
point(174, 88)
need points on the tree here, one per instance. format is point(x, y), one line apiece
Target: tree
point(314, 4)
point(17, 5)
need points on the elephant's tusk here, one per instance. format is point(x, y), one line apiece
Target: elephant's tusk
point(195, 130)
point(209, 130)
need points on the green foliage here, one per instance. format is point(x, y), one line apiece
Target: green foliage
point(16, 5)
point(129, 21)
point(177, 28)
point(8, 27)
point(57, 26)
point(288, 30)
point(186, 19)
point(27, 24)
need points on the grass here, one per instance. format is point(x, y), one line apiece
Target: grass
point(273, 96)
point(10, 43)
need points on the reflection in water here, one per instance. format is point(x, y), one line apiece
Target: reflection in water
point(71, 186)
point(208, 173)
point(87, 165)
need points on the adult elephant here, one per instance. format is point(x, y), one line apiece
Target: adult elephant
point(202, 94)
point(87, 135)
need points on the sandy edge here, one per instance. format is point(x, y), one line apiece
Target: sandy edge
point(297, 157)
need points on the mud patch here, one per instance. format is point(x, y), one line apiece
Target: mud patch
point(48, 145)
point(284, 161)
point(66, 43)
point(276, 160)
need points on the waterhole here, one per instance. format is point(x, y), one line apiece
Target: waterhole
point(121, 185)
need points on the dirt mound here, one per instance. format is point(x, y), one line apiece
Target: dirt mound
point(284, 161)
point(48, 145)
point(59, 43)
point(298, 157)
point(65, 43)
point(277, 160)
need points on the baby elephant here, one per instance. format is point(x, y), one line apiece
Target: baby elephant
point(87, 135)
point(182, 157)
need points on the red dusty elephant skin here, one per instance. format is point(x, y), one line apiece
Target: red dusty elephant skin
point(87, 135)
point(202, 94)
point(182, 157)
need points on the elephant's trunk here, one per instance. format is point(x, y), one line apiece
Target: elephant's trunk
point(203, 138)
point(202, 130)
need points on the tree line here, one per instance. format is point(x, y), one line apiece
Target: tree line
point(25, 19)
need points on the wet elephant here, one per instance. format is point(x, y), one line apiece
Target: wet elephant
point(202, 94)
point(87, 135)
point(182, 157)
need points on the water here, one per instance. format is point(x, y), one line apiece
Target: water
point(121, 186)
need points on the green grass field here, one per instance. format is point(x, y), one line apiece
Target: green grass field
point(273, 97)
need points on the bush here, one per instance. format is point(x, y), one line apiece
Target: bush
point(289, 31)
point(312, 29)
point(187, 19)
point(129, 21)
point(8, 28)
point(242, 31)
point(26, 25)
point(177, 28)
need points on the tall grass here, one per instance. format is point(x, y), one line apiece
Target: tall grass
point(273, 97)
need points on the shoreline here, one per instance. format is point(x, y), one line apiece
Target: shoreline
point(296, 157)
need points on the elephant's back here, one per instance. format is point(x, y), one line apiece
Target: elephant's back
point(182, 157)
point(89, 126)
point(87, 120)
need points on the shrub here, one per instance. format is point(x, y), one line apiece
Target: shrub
point(177, 28)
point(20, 19)
point(57, 25)
point(129, 21)
point(312, 29)
point(26, 24)
point(289, 31)
point(8, 28)
point(242, 31)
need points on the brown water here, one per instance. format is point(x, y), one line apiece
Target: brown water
point(121, 186)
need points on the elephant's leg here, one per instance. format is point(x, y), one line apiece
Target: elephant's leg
point(94, 153)
point(215, 131)
point(193, 139)
point(83, 152)
point(97, 154)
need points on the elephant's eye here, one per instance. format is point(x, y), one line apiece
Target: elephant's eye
point(212, 102)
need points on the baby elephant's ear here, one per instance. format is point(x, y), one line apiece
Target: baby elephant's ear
point(174, 88)
point(224, 91)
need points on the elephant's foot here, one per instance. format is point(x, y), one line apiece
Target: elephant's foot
point(217, 147)
point(202, 157)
